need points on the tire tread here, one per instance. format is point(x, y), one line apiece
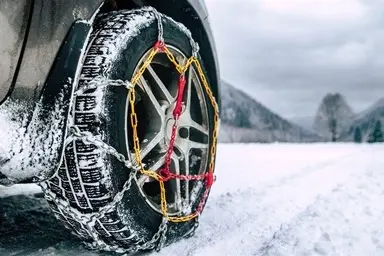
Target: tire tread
point(80, 179)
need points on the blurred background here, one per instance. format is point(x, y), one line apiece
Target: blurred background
point(307, 71)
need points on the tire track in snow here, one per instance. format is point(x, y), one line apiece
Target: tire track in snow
point(347, 221)
point(240, 223)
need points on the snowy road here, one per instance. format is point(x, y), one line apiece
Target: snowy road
point(268, 200)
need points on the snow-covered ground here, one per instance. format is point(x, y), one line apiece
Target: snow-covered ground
point(276, 199)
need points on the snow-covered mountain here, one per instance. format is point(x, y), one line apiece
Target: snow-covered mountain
point(371, 111)
point(246, 120)
point(333, 116)
point(365, 121)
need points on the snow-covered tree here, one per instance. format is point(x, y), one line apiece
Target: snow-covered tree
point(358, 138)
point(333, 116)
point(376, 134)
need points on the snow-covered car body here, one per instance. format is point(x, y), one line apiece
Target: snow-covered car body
point(41, 47)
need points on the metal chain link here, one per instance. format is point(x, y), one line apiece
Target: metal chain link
point(101, 83)
point(89, 220)
point(159, 25)
point(192, 232)
point(89, 138)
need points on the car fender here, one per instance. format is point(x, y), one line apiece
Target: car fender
point(37, 145)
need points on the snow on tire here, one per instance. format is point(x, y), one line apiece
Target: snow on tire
point(89, 178)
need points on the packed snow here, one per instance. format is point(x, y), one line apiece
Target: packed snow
point(271, 199)
point(24, 134)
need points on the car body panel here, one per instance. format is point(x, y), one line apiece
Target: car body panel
point(13, 24)
point(33, 149)
point(49, 25)
point(200, 7)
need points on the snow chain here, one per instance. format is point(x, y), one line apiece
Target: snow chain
point(164, 175)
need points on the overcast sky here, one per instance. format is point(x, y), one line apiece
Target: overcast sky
point(289, 53)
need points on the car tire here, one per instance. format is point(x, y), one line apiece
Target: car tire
point(89, 178)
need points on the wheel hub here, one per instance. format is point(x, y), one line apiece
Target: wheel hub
point(169, 123)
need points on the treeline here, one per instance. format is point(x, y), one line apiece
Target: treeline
point(375, 135)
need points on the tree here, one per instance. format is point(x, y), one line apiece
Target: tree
point(333, 116)
point(333, 128)
point(376, 134)
point(358, 138)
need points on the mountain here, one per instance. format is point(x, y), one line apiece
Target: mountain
point(333, 116)
point(246, 120)
point(365, 121)
point(371, 110)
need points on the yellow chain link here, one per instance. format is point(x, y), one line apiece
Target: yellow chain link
point(216, 110)
point(134, 123)
point(164, 206)
point(132, 100)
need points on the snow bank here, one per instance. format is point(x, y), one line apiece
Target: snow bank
point(25, 189)
point(26, 145)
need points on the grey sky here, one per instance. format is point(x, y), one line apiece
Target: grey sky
point(289, 53)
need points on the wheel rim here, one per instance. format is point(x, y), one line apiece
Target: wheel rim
point(156, 99)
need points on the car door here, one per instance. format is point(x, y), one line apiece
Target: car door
point(14, 16)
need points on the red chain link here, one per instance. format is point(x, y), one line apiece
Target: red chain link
point(160, 46)
point(165, 173)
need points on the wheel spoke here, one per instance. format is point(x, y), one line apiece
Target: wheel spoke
point(186, 118)
point(152, 98)
point(198, 127)
point(142, 180)
point(147, 147)
point(158, 164)
point(197, 145)
point(178, 197)
point(186, 166)
point(189, 91)
point(161, 85)
point(184, 145)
